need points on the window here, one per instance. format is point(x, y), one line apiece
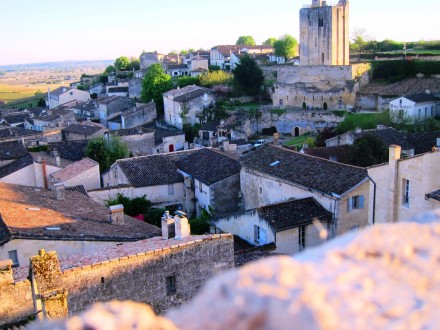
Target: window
point(170, 283)
point(170, 189)
point(406, 192)
point(356, 202)
point(13, 255)
point(420, 113)
point(260, 190)
point(321, 22)
point(426, 112)
point(259, 235)
point(400, 115)
point(302, 237)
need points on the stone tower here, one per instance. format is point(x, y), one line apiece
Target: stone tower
point(324, 36)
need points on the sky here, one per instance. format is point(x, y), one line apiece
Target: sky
point(34, 31)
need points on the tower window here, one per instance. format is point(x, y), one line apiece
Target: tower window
point(321, 22)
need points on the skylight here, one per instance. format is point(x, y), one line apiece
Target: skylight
point(275, 163)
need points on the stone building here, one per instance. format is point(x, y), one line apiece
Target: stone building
point(405, 187)
point(185, 105)
point(66, 221)
point(288, 225)
point(84, 172)
point(324, 37)
point(272, 174)
point(163, 272)
point(214, 178)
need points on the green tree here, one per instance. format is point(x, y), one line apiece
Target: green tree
point(134, 64)
point(367, 151)
point(110, 69)
point(285, 46)
point(270, 42)
point(248, 76)
point(187, 80)
point(155, 83)
point(122, 63)
point(106, 151)
point(103, 78)
point(214, 78)
point(246, 40)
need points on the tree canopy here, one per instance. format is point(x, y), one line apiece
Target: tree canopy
point(122, 63)
point(155, 83)
point(110, 69)
point(285, 46)
point(248, 76)
point(134, 64)
point(246, 40)
point(270, 42)
point(106, 151)
point(214, 78)
point(367, 151)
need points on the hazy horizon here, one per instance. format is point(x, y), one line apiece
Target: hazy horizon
point(50, 31)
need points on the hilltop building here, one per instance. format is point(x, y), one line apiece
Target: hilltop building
point(324, 38)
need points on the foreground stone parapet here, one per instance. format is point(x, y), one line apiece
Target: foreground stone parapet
point(385, 277)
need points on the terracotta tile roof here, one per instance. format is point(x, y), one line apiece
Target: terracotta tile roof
point(308, 171)
point(82, 129)
point(38, 156)
point(16, 165)
point(434, 195)
point(28, 212)
point(120, 251)
point(338, 152)
point(70, 150)
point(12, 150)
point(186, 93)
point(209, 166)
point(73, 170)
point(233, 120)
point(150, 170)
point(421, 97)
point(293, 214)
point(108, 100)
point(118, 89)
point(60, 90)
point(161, 133)
point(79, 188)
point(17, 132)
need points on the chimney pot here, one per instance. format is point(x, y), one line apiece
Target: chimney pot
point(181, 224)
point(167, 226)
point(60, 192)
point(58, 161)
point(117, 214)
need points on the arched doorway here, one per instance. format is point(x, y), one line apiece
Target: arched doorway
point(340, 104)
point(281, 101)
point(171, 148)
point(296, 131)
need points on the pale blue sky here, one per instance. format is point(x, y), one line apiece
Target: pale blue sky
point(49, 30)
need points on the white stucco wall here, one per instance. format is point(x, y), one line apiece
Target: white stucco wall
point(158, 195)
point(411, 109)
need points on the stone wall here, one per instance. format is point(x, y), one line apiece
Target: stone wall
point(315, 85)
point(139, 277)
point(224, 194)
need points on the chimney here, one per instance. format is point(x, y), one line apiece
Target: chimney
point(381, 127)
point(60, 193)
point(167, 226)
point(181, 225)
point(43, 169)
point(139, 129)
point(58, 161)
point(427, 91)
point(117, 214)
point(394, 153)
point(358, 130)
